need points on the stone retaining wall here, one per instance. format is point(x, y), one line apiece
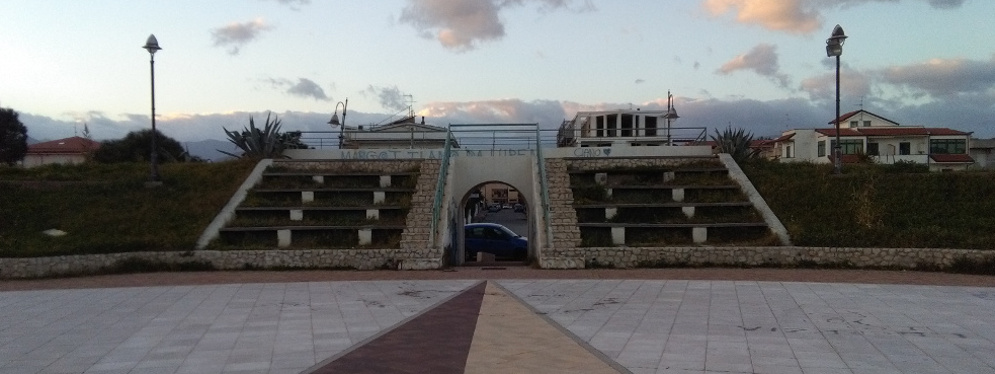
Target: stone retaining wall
point(363, 259)
point(425, 259)
point(630, 257)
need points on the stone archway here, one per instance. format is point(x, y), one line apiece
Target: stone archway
point(473, 170)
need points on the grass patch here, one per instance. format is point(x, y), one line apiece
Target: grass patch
point(875, 206)
point(106, 208)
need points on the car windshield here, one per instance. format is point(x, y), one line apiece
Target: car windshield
point(507, 231)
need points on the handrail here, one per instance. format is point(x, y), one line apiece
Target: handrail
point(544, 187)
point(440, 187)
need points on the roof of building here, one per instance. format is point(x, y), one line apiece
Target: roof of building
point(74, 145)
point(782, 138)
point(952, 158)
point(847, 116)
point(892, 131)
point(843, 132)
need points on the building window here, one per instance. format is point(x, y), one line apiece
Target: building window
point(905, 148)
point(850, 147)
point(867, 123)
point(822, 148)
point(612, 125)
point(650, 126)
point(599, 124)
point(787, 152)
point(853, 123)
point(627, 125)
point(948, 146)
point(872, 149)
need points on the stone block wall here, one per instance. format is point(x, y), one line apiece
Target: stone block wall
point(631, 257)
point(418, 233)
point(562, 216)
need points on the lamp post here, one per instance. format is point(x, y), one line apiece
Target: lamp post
point(671, 114)
point(152, 45)
point(335, 119)
point(834, 48)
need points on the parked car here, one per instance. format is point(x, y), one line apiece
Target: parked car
point(493, 208)
point(519, 208)
point(494, 239)
point(506, 206)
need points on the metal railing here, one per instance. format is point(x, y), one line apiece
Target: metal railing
point(499, 136)
point(440, 189)
point(544, 190)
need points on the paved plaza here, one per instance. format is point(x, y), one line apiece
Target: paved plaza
point(501, 326)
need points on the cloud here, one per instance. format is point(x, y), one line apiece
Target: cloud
point(762, 59)
point(794, 16)
point(307, 88)
point(236, 35)
point(822, 88)
point(303, 88)
point(462, 25)
point(942, 77)
point(781, 15)
point(390, 98)
point(547, 113)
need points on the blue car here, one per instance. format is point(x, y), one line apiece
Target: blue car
point(494, 239)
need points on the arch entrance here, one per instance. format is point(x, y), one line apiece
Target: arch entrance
point(485, 180)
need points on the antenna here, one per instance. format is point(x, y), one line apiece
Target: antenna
point(411, 101)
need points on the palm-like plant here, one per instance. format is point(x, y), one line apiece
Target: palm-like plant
point(266, 142)
point(736, 143)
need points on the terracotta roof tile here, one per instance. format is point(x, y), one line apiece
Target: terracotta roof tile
point(73, 145)
point(954, 158)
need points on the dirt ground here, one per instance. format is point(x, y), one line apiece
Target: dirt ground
point(502, 272)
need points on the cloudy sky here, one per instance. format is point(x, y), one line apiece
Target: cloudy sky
point(755, 64)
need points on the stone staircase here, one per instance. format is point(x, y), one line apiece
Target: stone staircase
point(378, 209)
point(613, 211)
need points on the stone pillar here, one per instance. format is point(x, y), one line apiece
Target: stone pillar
point(618, 235)
point(307, 196)
point(283, 238)
point(688, 211)
point(365, 236)
point(700, 234)
point(296, 215)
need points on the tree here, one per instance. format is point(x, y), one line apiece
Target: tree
point(736, 143)
point(265, 142)
point(13, 137)
point(137, 147)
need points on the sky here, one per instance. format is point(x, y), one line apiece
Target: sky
point(760, 65)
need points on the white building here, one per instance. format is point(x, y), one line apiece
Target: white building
point(68, 151)
point(863, 133)
point(629, 127)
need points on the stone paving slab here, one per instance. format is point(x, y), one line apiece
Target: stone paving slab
point(645, 326)
point(770, 327)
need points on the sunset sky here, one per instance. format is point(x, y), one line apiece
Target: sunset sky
point(755, 64)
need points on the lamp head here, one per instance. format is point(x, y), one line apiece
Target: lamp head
point(335, 120)
point(834, 45)
point(151, 44)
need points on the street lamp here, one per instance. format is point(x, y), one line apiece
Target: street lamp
point(834, 48)
point(671, 114)
point(335, 119)
point(152, 45)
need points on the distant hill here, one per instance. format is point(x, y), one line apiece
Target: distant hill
point(208, 149)
point(33, 141)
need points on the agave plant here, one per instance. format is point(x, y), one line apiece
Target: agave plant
point(266, 142)
point(735, 142)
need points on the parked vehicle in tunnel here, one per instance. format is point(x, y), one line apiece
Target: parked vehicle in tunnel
point(494, 239)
